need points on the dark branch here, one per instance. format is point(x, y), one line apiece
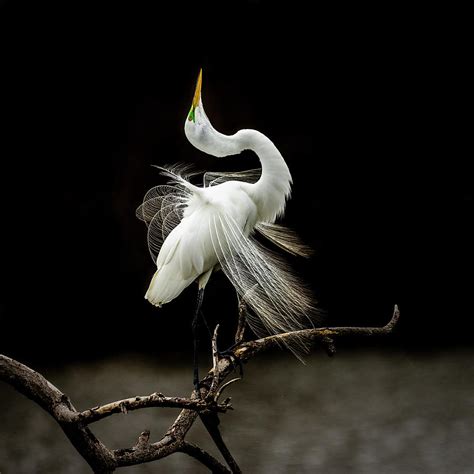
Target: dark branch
point(215, 363)
point(143, 439)
point(142, 453)
point(102, 460)
point(249, 349)
point(166, 446)
point(211, 422)
point(149, 401)
point(34, 386)
point(204, 457)
point(169, 444)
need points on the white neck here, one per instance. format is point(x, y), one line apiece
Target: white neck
point(274, 186)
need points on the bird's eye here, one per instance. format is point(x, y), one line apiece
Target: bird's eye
point(192, 114)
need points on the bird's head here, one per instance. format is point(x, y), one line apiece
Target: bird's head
point(201, 134)
point(197, 125)
point(195, 116)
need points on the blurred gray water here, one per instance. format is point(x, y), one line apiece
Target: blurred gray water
point(365, 413)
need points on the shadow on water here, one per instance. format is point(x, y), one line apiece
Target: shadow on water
point(371, 412)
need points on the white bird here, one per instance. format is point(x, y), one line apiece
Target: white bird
point(194, 230)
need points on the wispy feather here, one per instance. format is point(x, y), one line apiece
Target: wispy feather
point(278, 300)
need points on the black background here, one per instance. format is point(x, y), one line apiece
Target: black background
point(368, 107)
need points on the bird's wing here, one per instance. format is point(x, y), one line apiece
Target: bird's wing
point(279, 300)
point(163, 206)
point(284, 238)
point(162, 210)
point(152, 202)
point(212, 178)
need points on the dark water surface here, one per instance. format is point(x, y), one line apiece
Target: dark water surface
point(361, 413)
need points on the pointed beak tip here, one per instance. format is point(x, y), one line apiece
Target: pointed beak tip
point(197, 92)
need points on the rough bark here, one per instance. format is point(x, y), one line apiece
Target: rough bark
point(204, 404)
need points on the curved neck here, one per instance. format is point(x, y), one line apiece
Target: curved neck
point(274, 186)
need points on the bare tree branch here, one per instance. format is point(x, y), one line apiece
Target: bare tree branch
point(211, 422)
point(215, 362)
point(223, 387)
point(250, 349)
point(204, 457)
point(170, 442)
point(34, 386)
point(149, 401)
point(204, 404)
point(140, 454)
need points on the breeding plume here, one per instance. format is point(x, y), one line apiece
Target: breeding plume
point(195, 230)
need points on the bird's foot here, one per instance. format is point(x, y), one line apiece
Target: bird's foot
point(234, 360)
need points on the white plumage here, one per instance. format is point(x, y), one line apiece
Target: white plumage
point(194, 230)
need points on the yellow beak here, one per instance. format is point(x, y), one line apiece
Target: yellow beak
point(197, 92)
point(196, 98)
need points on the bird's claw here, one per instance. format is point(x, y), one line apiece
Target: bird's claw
point(234, 360)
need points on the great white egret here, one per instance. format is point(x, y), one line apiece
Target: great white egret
point(194, 230)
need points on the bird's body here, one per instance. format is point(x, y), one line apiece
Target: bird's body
point(188, 251)
point(194, 230)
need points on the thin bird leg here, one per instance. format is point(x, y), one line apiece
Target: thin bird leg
point(206, 324)
point(202, 282)
point(239, 333)
point(195, 327)
point(239, 336)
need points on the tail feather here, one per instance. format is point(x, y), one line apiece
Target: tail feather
point(279, 301)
